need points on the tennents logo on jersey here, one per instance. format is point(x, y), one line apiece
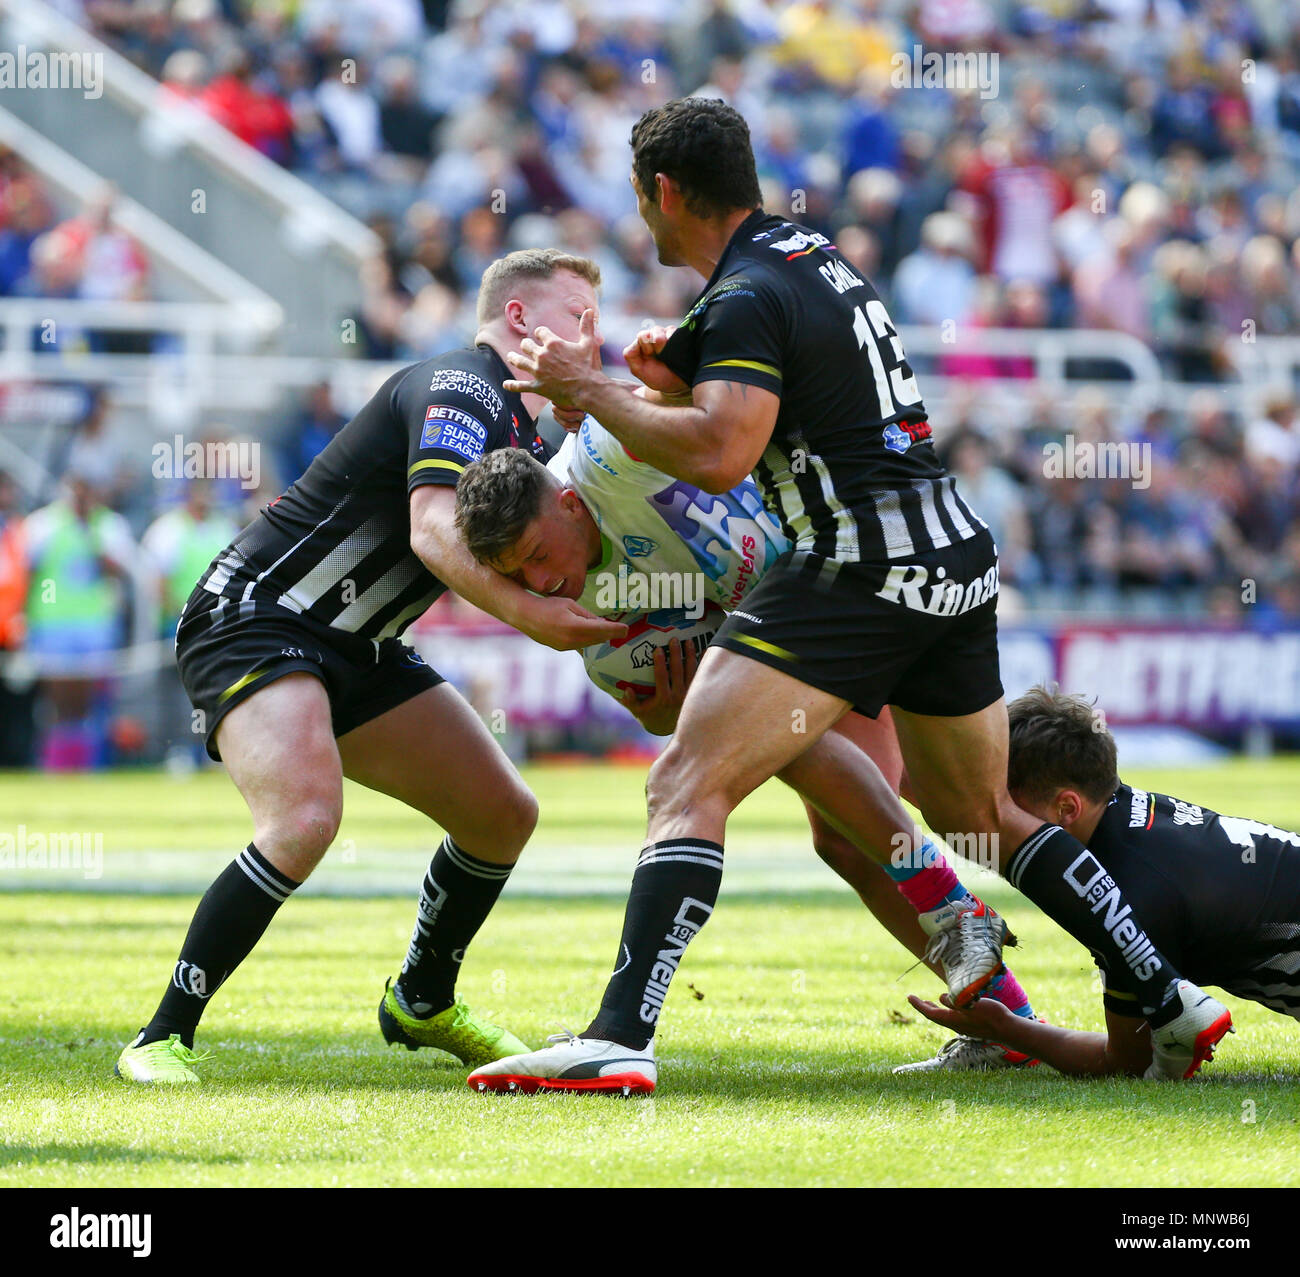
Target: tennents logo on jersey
point(1187, 813)
point(454, 430)
point(947, 597)
point(468, 383)
point(1101, 893)
point(639, 547)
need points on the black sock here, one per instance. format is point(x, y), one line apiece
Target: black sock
point(229, 921)
point(458, 894)
point(1067, 882)
point(674, 889)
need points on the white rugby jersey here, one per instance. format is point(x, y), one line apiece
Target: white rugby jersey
point(670, 535)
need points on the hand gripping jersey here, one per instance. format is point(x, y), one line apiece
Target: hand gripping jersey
point(336, 547)
point(850, 470)
point(1220, 894)
point(657, 528)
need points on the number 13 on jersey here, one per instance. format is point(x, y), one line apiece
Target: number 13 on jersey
point(872, 329)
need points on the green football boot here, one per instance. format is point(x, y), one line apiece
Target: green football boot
point(170, 1062)
point(457, 1030)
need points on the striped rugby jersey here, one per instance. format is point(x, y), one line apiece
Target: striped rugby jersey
point(850, 470)
point(1219, 895)
point(337, 545)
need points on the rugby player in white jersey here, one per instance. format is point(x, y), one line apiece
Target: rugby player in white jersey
point(787, 366)
point(596, 525)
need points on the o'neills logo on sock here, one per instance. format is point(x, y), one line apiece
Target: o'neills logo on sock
point(692, 915)
point(426, 914)
point(191, 979)
point(1100, 890)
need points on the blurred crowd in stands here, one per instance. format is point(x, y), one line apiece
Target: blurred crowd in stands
point(96, 562)
point(1133, 168)
point(85, 256)
point(1132, 165)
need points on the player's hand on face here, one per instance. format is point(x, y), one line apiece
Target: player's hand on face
point(564, 625)
point(642, 357)
point(558, 369)
point(674, 670)
point(985, 1018)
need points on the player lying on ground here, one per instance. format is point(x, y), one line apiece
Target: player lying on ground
point(788, 366)
point(593, 526)
point(290, 649)
point(1220, 894)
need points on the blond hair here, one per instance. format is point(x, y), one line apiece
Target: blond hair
point(504, 276)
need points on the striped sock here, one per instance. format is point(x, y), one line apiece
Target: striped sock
point(1006, 989)
point(938, 885)
point(458, 894)
point(926, 879)
point(229, 921)
point(903, 866)
point(674, 889)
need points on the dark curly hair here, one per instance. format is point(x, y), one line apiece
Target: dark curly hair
point(703, 145)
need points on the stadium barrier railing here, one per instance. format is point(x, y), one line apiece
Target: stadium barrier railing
point(185, 264)
point(258, 218)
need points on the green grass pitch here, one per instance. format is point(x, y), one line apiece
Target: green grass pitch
point(776, 1045)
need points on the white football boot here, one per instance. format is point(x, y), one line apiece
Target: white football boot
point(963, 1054)
point(1180, 1047)
point(585, 1065)
point(968, 944)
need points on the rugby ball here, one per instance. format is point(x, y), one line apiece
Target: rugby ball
point(629, 662)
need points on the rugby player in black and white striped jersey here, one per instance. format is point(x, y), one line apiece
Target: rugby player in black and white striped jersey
point(290, 649)
point(1220, 894)
point(788, 366)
